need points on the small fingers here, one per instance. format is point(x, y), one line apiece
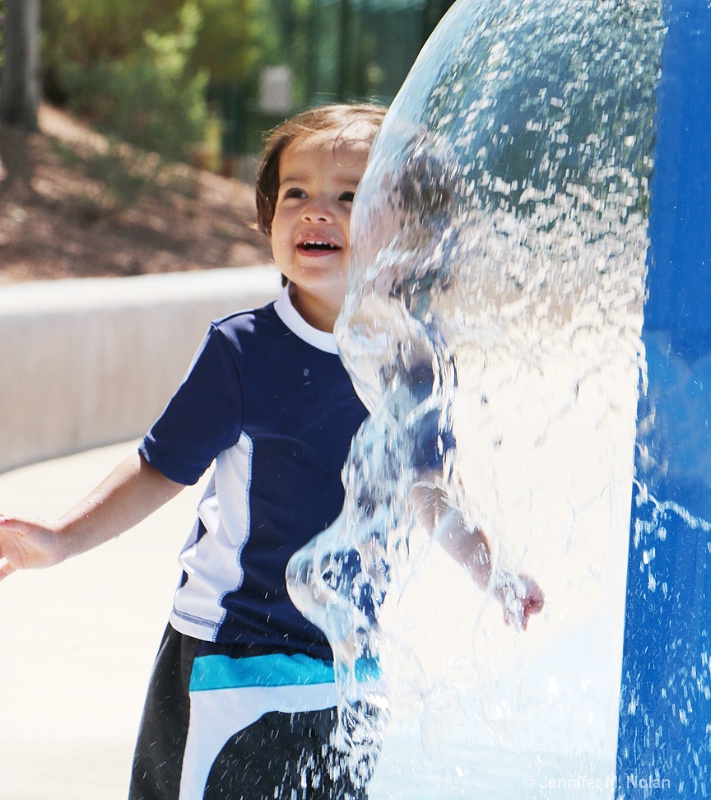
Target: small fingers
point(14, 524)
point(523, 598)
point(25, 543)
point(5, 568)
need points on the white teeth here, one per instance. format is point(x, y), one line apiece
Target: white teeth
point(319, 245)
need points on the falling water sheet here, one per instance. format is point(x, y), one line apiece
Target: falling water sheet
point(493, 328)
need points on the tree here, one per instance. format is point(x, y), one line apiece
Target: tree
point(21, 80)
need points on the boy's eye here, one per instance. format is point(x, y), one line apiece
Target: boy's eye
point(347, 197)
point(294, 192)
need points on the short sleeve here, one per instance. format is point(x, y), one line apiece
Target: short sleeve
point(204, 416)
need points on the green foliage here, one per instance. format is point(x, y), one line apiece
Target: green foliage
point(240, 37)
point(84, 32)
point(234, 39)
point(149, 98)
point(139, 69)
point(228, 43)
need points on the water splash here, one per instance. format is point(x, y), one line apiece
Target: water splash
point(492, 327)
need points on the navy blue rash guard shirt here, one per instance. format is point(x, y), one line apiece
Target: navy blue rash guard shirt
point(268, 400)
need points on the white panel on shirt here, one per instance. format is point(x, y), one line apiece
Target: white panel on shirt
point(210, 563)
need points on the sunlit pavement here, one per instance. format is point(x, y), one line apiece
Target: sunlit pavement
point(78, 640)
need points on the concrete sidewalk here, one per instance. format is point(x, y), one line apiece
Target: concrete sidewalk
point(77, 641)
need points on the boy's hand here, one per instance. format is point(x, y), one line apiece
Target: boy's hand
point(27, 543)
point(520, 597)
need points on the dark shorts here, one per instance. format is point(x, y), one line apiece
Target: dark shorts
point(223, 722)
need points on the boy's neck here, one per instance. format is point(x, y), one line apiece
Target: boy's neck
point(319, 313)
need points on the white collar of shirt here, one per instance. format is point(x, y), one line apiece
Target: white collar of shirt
point(322, 340)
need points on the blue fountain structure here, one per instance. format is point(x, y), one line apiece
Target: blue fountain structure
point(665, 719)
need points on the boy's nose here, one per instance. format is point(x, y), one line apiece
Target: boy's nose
point(318, 210)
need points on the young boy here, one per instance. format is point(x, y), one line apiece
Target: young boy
point(242, 700)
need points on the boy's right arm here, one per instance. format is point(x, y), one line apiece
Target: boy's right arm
point(128, 495)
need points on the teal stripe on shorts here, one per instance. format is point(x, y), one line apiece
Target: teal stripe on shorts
point(278, 669)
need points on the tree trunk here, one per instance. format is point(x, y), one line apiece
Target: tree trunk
point(21, 82)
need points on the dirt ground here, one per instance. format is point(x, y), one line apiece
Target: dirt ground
point(73, 204)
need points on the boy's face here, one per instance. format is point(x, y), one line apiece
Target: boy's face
point(310, 234)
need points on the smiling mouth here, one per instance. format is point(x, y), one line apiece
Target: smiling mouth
point(318, 247)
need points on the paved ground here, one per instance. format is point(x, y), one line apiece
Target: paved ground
point(77, 641)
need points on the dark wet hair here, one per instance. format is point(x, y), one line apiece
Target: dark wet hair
point(427, 181)
point(365, 118)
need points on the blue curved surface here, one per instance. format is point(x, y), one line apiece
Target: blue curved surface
point(665, 719)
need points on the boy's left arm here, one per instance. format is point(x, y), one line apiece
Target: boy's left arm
point(519, 595)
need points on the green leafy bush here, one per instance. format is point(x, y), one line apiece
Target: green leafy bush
point(151, 98)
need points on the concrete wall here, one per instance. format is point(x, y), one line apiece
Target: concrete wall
point(93, 361)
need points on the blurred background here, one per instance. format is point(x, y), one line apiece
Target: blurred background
point(201, 80)
point(134, 128)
